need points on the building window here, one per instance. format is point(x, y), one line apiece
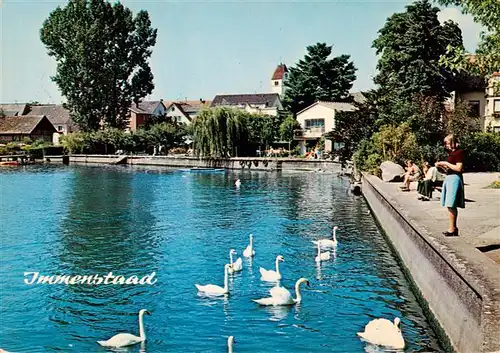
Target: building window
point(475, 108)
point(276, 83)
point(496, 129)
point(59, 128)
point(496, 106)
point(310, 123)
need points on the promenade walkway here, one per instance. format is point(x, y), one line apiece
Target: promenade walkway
point(478, 223)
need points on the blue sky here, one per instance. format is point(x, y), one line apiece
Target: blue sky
point(207, 47)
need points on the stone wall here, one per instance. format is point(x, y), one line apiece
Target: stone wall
point(459, 304)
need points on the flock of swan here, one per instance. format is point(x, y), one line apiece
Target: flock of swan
point(380, 332)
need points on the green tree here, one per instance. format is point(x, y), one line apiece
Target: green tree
point(460, 121)
point(287, 128)
point(262, 129)
point(351, 127)
point(410, 46)
point(396, 143)
point(74, 142)
point(168, 134)
point(220, 132)
point(102, 54)
point(318, 77)
point(487, 59)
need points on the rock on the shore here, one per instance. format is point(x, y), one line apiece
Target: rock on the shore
point(392, 171)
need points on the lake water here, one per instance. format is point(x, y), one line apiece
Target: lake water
point(95, 220)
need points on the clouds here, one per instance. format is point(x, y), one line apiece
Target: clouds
point(470, 29)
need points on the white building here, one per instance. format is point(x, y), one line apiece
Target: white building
point(278, 79)
point(258, 103)
point(185, 111)
point(492, 111)
point(317, 120)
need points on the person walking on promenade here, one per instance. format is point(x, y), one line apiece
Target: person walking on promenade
point(453, 196)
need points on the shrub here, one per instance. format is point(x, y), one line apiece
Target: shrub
point(482, 151)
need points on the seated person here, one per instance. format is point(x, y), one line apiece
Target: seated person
point(426, 185)
point(413, 173)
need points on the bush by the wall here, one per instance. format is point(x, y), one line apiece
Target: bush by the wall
point(482, 151)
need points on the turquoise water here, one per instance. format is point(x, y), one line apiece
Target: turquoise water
point(93, 220)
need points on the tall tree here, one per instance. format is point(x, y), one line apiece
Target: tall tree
point(410, 46)
point(487, 59)
point(219, 132)
point(318, 77)
point(351, 127)
point(102, 54)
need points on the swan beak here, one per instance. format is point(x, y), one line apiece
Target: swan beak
point(308, 284)
point(147, 312)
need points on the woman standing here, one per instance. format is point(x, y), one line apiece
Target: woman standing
point(453, 186)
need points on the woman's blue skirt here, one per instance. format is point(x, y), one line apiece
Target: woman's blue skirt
point(453, 192)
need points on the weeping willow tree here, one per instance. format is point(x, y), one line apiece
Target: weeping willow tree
point(220, 132)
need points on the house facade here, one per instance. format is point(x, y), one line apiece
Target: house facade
point(317, 120)
point(185, 111)
point(492, 111)
point(17, 128)
point(141, 112)
point(57, 115)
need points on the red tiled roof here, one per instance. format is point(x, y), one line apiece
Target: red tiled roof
point(280, 71)
point(496, 74)
point(22, 124)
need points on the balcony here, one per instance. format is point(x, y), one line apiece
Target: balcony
point(309, 133)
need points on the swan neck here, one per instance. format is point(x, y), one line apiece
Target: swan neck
point(298, 298)
point(142, 334)
point(319, 249)
point(230, 347)
point(226, 279)
point(277, 266)
point(231, 258)
point(334, 234)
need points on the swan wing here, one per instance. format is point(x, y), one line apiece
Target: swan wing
point(265, 301)
point(384, 333)
point(238, 265)
point(248, 252)
point(280, 292)
point(121, 340)
point(325, 256)
point(327, 243)
point(210, 289)
point(268, 275)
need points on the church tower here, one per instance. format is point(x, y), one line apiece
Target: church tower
point(277, 84)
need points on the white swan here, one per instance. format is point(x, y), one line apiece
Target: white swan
point(237, 265)
point(230, 341)
point(281, 295)
point(127, 339)
point(322, 256)
point(212, 289)
point(237, 183)
point(249, 251)
point(328, 243)
point(270, 275)
point(383, 332)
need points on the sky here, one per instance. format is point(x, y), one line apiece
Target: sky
point(208, 47)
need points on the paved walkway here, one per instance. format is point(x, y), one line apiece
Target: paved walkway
point(478, 223)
